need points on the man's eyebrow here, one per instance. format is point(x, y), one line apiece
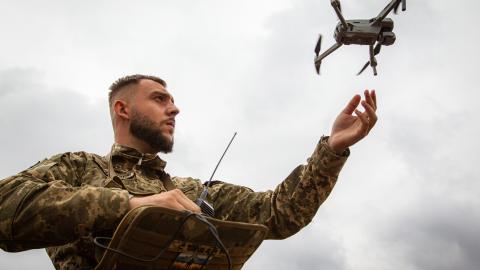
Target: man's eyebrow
point(161, 93)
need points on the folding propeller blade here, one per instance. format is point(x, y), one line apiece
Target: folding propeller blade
point(318, 47)
point(404, 6)
point(363, 68)
point(395, 8)
point(317, 67)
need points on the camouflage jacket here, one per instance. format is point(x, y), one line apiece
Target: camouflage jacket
point(61, 202)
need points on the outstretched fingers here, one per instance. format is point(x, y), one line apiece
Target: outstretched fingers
point(374, 97)
point(352, 105)
point(371, 98)
point(370, 114)
point(364, 128)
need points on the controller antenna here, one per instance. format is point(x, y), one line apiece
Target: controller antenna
point(204, 205)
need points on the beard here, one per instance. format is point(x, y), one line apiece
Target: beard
point(145, 129)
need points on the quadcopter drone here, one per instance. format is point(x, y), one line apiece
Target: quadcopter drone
point(377, 31)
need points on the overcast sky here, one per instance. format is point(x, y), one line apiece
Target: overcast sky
point(407, 197)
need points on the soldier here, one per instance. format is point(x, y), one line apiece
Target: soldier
point(61, 202)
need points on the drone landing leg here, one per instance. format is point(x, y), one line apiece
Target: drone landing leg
point(373, 61)
point(318, 59)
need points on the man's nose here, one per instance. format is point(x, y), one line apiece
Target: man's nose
point(173, 109)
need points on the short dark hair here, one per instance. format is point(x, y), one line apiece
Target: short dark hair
point(130, 79)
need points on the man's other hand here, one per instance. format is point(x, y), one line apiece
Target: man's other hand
point(349, 129)
point(174, 199)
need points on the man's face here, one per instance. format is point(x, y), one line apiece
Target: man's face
point(153, 116)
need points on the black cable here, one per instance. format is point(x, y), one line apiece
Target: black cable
point(211, 227)
point(214, 232)
point(188, 215)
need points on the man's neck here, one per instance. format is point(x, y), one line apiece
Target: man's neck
point(137, 144)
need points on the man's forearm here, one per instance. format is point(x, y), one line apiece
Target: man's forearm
point(292, 204)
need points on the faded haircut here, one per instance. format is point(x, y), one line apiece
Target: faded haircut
point(120, 84)
point(127, 80)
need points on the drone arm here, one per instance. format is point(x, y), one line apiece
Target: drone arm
point(336, 7)
point(387, 10)
point(318, 59)
point(329, 51)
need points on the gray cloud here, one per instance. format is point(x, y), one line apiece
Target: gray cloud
point(435, 234)
point(300, 252)
point(42, 121)
point(406, 198)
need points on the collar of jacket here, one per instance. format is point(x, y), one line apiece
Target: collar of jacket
point(132, 155)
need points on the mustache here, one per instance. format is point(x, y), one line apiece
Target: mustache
point(170, 121)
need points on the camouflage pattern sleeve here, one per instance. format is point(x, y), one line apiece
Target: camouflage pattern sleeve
point(46, 205)
point(293, 203)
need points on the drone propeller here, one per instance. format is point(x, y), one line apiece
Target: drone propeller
point(363, 68)
point(395, 8)
point(404, 6)
point(376, 51)
point(318, 48)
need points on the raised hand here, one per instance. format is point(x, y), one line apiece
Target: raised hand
point(348, 129)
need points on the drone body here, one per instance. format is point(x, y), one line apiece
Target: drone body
point(377, 31)
point(361, 32)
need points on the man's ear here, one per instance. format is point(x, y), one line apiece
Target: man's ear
point(121, 109)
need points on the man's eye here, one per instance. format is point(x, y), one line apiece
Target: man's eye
point(160, 98)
